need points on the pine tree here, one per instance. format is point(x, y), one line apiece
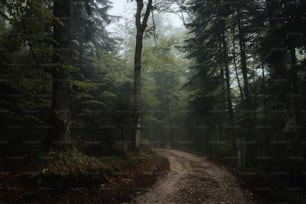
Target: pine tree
point(61, 107)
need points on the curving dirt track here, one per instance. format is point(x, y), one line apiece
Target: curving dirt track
point(194, 179)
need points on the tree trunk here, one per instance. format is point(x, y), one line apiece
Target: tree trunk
point(295, 94)
point(244, 62)
point(220, 125)
point(235, 64)
point(228, 86)
point(227, 76)
point(61, 110)
point(247, 102)
point(264, 88)
point(141, 25)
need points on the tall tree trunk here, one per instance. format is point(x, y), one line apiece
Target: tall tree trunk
point(264, 88)
point(141, 25)
point(247, 102)
point(243, 62)
point(235, 61)
point(61, 110)
point(228, 86)
point(295, 94)
point(227, 75)
point(222, 116)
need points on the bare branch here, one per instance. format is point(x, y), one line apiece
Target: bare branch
point(146, 16)
point(154, 29)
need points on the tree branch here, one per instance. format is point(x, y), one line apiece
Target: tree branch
point(146, 16)
point(154, 29)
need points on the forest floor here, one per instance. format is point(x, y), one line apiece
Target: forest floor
point(110, 180)
point(170, 176)
point(194, 179)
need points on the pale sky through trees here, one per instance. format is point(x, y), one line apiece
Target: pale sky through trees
point(118, 6)
point(123, 7)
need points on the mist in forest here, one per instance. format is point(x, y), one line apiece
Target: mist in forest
point(108, 101)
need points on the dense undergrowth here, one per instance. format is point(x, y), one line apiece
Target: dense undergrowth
point(267, 186)
point(74, 177)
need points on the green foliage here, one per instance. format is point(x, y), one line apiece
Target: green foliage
point(71, 163)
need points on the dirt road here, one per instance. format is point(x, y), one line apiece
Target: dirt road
point(194, 179)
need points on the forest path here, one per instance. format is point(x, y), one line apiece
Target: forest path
point(194, 179)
